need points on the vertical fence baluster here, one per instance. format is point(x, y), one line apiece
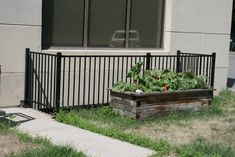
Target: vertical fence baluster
point(41, 83)
point(122, 68)
point(68, 93)
point(178, 64)
point(51, 87)
point(89, 80)
point(54, 90)
point(117, 68)
point(103, 80)
point(148, 61)
point(213, 69)
point(127, 63)
point(94, 81)
point(44, 74)
point(74, 78)
point(144, 64)
point(35, 81)
point(33, 85)
point(99, 81)
point(108, 79)
point(48, 63)
point(84, 82)
point(203, 68)
point(26, 87)
point(79, 81)
point(130, 68)
point(39, 68)
point(58, 77)
point(207, 67)
point(63, 82)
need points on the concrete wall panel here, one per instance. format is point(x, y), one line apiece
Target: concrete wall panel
point(220, 45)
point(14, 40)
point(23, 12)
point(187, 16)
point(186, 42)
point(11, 89)
point(217, 16)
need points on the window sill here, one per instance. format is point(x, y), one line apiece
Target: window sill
point(105, 50)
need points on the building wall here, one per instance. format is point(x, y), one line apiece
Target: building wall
point(201, 26)
point(20, 27)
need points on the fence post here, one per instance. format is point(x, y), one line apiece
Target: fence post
point(178, 65)
point(148, 61)
point(213, 69)
point(26, 79)
point(58, 75)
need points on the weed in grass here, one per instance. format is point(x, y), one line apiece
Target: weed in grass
point(50, 151)
point(4, 126)
point(28, 139)
point(201, 148)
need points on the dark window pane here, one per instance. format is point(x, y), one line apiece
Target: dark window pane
point(147, 23)
point(107, 23)
point(63, 22)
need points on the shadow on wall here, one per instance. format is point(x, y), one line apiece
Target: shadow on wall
point(231, 83)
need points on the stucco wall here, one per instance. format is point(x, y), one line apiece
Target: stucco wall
point(20, 27)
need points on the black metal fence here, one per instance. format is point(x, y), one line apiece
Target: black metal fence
point(55, 80)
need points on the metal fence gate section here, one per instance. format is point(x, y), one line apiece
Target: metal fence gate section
point(53, 81)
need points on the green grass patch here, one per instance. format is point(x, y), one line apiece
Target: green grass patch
point(73, 118)
point(104, 120)
point(50, 151)
point(44, 148)
point(201, 148)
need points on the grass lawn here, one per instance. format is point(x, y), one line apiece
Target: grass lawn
point(188, 134)
point(16, 144)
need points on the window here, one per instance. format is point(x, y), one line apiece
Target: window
point(103, 23)
point(63, 22)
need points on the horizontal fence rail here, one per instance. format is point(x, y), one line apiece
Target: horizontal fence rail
point(56, 80)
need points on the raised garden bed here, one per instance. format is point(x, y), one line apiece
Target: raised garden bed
point(144, 105)
point(159, 91)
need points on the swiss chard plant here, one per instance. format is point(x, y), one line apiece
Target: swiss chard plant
point(160, 81)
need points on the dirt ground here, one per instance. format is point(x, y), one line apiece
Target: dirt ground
point(9, 144)
point(215, 129)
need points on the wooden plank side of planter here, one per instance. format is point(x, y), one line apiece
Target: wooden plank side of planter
point(126, 113)
point(155, 101)
point(124, 104)
point(173, 106)
point(140, 106)
point(148, 111)
point(176, 95)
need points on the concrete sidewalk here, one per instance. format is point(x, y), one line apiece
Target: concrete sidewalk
point(37, 123)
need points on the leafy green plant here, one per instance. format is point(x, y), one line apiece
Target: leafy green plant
point(160, 81)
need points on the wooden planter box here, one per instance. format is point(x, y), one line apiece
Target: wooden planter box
point(139, 106)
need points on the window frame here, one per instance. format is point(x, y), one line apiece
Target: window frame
point(127, 29)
